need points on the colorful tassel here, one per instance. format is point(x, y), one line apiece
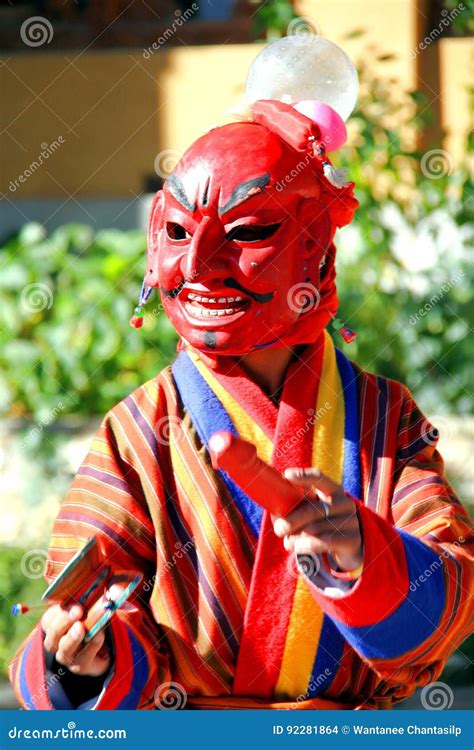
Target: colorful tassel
point(21, 608)
point(347, 333)
point(336, 177)
point(136, 321)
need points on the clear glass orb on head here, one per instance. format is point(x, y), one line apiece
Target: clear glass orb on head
point(302, 69)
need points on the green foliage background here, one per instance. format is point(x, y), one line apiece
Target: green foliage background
point(405, 192)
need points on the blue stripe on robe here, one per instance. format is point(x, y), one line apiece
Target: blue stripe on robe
point(209, 416)
point(24, 688)
point(416, 618)
point(140, 673)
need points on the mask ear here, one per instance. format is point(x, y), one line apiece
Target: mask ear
point(154, 227)
point(154, 222)
point(315, 220)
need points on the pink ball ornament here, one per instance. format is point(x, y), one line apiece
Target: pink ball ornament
point(331, 125)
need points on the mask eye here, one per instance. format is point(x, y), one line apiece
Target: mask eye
point(176, 231)
point(252, 232)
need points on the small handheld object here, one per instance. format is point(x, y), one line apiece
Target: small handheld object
point(86, 580)
point(258, 480)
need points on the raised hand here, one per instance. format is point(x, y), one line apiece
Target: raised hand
point(326, 520)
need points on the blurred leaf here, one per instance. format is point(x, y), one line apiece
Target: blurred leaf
point(31, 233)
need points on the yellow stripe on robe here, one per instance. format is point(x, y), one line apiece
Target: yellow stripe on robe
point(66, 542)
point(100, 446)
point(306, 617)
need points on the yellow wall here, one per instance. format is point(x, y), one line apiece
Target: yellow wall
point(106, 108)
point(456, 77)
point(201, 83)
point(117, 111)
point(387, 26)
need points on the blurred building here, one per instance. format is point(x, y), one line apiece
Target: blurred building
point(99, 99)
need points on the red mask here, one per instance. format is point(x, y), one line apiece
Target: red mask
point(240, 242)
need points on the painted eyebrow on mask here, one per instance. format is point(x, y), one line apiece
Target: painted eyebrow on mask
point(176, 188)
point(245, 190)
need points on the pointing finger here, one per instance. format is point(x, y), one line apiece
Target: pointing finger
point(312, 479)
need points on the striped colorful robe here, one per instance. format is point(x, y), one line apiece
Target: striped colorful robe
point(223, 612)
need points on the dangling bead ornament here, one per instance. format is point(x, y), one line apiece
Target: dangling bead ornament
point(136, 321)
point(336, 177)
point(347, 333)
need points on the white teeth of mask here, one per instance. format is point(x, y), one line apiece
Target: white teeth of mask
point(213, 300)
point(202, 312)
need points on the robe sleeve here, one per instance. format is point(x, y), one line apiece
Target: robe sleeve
point(412, 605)
point(108, 498)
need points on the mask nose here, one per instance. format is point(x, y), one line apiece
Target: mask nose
point(204, 254)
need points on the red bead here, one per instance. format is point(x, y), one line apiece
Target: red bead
point(136, 322)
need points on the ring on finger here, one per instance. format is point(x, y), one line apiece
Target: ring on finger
point(325, 507)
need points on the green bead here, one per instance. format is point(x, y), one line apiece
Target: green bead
point(337, 324)
point(138, 312)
